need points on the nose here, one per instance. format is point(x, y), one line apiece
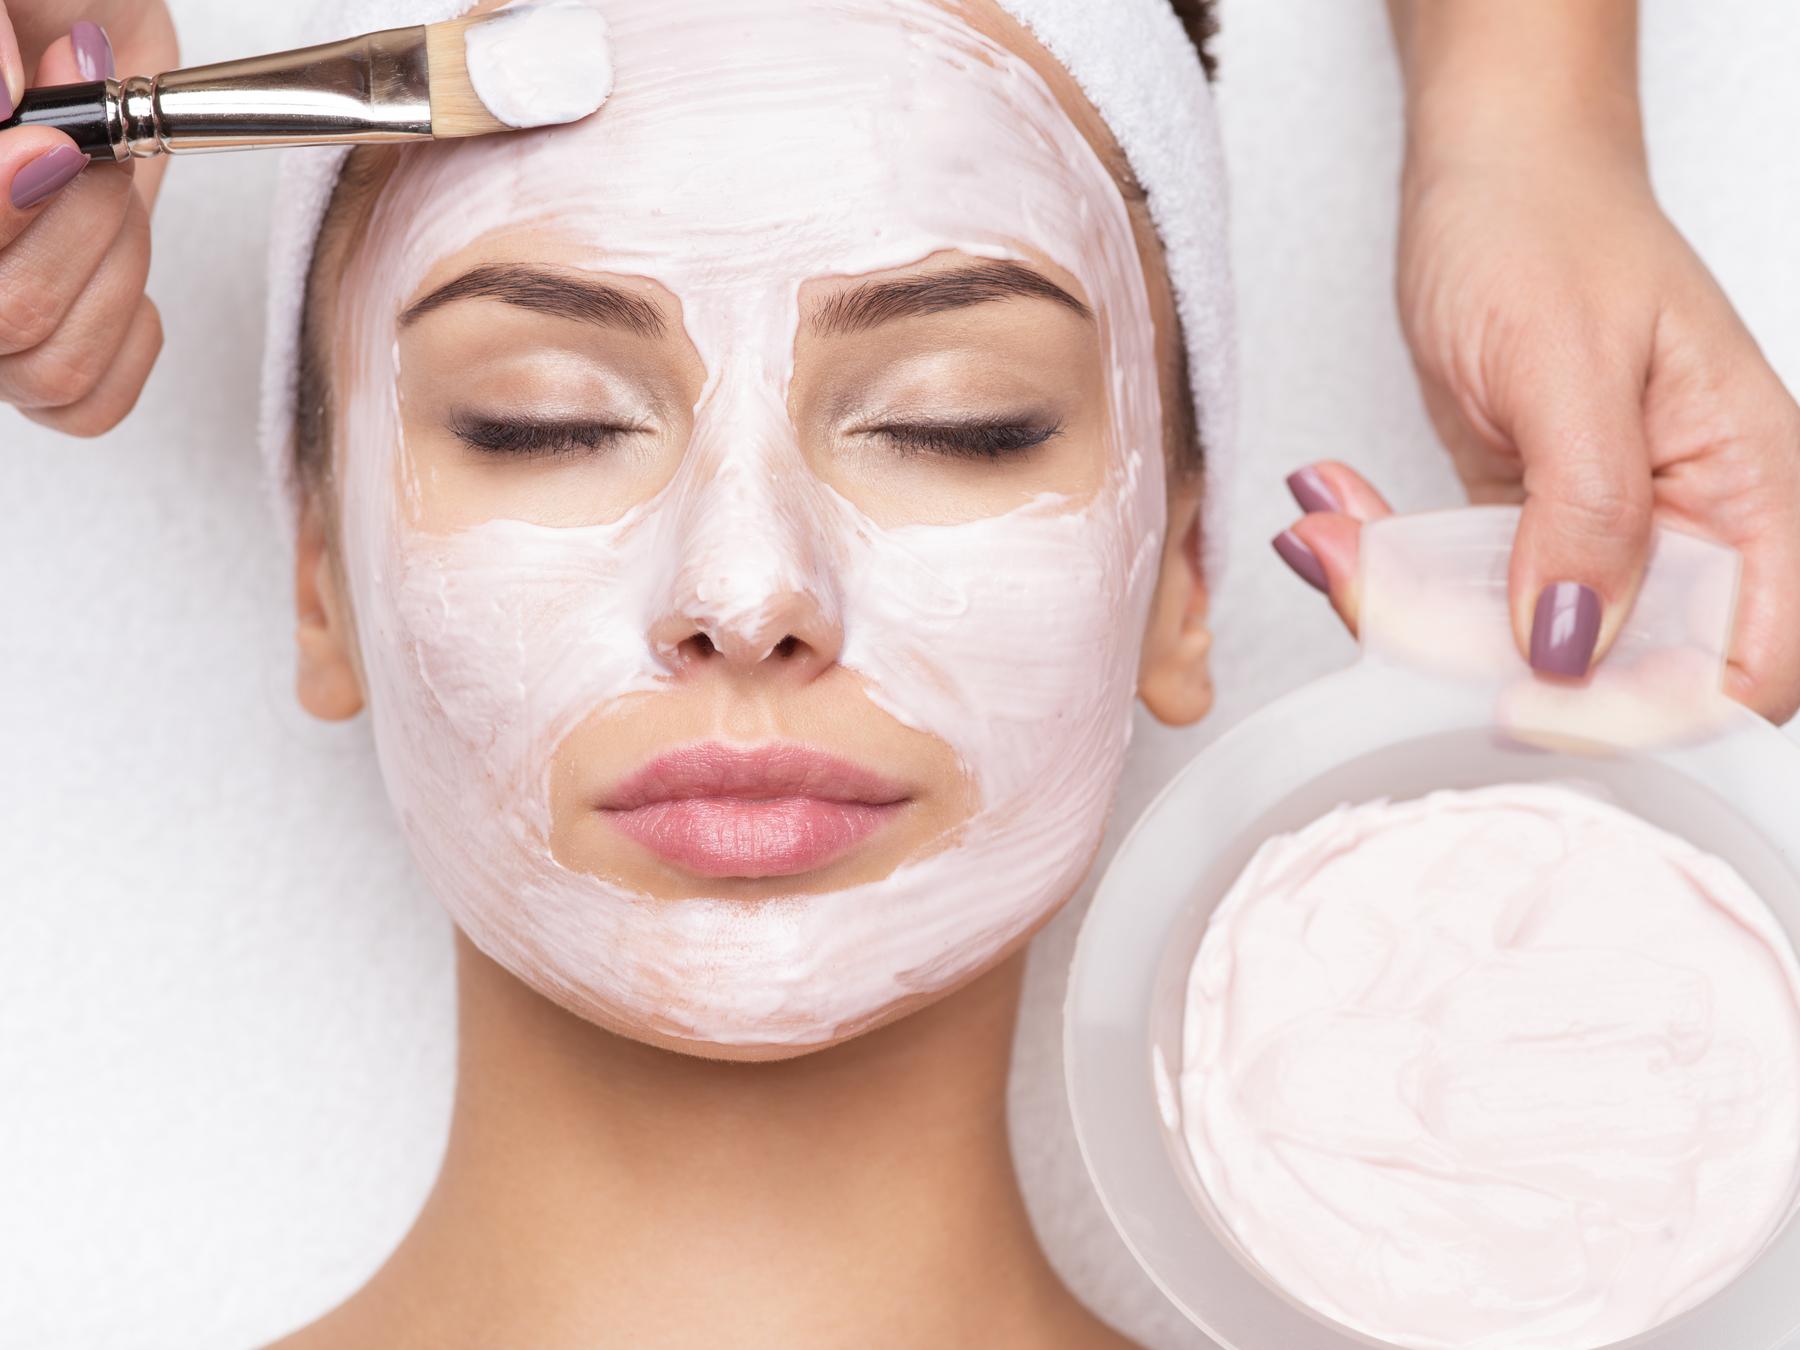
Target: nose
point(754, 586)
point(789, 635)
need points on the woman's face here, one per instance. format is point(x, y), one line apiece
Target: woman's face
point(752, 503)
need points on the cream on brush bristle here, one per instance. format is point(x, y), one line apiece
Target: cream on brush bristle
point(456, 109)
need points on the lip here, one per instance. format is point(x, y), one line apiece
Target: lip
point(717, 810)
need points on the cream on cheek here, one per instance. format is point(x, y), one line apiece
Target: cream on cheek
point(754, 145)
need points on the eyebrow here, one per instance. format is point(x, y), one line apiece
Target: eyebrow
point(878, 302)
point(567, 295)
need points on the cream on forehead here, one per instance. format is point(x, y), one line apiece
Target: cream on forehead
point(824, 137)
point(752, 146)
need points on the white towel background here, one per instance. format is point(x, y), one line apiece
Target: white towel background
point(225, 1011)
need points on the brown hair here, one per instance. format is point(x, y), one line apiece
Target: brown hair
point(1201, 19)
point(353, 199)
point(346, 217)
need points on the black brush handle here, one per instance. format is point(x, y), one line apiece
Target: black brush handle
point(83, 112)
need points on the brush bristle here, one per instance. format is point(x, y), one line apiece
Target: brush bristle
point(456, 109)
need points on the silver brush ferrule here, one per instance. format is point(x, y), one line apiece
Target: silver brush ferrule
point(368, 89)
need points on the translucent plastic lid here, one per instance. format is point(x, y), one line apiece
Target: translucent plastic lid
point(1434, 601)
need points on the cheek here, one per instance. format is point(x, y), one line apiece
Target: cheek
point(1014, 639)
point(514, 631)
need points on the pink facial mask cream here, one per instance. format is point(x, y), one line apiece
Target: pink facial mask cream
point(1501, 1069)
point(753, 146)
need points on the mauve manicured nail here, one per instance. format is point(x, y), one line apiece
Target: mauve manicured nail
point(47, 175)
point(1302, 559)
point(93, 51)
point(1565, 629)
point(1312, 491)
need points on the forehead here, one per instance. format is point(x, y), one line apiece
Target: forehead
point(779, 140)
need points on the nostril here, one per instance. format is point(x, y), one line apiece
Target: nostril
point(695, 648)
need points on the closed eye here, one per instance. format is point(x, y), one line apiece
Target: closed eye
point(968, 438)
point(536, 437)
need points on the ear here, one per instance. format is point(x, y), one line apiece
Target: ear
point(326, 680)
point(1175, 675)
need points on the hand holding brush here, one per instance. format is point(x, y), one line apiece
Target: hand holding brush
point(78, 336)
point(74, 254)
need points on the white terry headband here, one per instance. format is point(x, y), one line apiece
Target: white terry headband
point(1131, 58)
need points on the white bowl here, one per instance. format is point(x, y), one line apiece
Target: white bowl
point(1376, 730)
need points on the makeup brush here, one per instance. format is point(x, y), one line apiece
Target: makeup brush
point(534, 63)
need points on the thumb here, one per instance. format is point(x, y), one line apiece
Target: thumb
point(1585, 532)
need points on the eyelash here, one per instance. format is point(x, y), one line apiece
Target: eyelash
point(974, 438)
point(528, 438)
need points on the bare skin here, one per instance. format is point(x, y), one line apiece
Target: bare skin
point(597, 1191)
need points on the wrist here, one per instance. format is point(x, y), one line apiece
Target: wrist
point(1503, 123)
point(1526, 83)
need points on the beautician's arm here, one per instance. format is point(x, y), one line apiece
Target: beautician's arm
point(77, 334)
point(1572, 348)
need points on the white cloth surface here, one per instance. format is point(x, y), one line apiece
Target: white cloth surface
point(225, 1001)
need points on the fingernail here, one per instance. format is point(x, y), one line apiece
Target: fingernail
point(1312, 491)
point(47, 175)
point(1302, 559)
point(8, 102)
point(1565, 629)
point(93, 51)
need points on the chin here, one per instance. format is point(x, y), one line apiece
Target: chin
point(777, 1040)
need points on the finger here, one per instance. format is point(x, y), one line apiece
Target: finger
point(36, 163)
point(72, 361)
point(12, 66)
point(88, 49)
point(1585, 529)
point(1322, 549)
point(1485, 461)
point(1763, 670)
point(119, 389)
point(57, 242)
point(1329, 485)
point(62, 64)
point(92, 52)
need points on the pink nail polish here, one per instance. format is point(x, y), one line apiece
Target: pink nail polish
point(93, 51)
point(1303, 560)
point(1565, 629)
point(47, 175)
point(1312, 491)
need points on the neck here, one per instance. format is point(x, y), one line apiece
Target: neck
point(597, 1190)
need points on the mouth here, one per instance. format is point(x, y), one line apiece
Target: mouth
point(717, 810)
